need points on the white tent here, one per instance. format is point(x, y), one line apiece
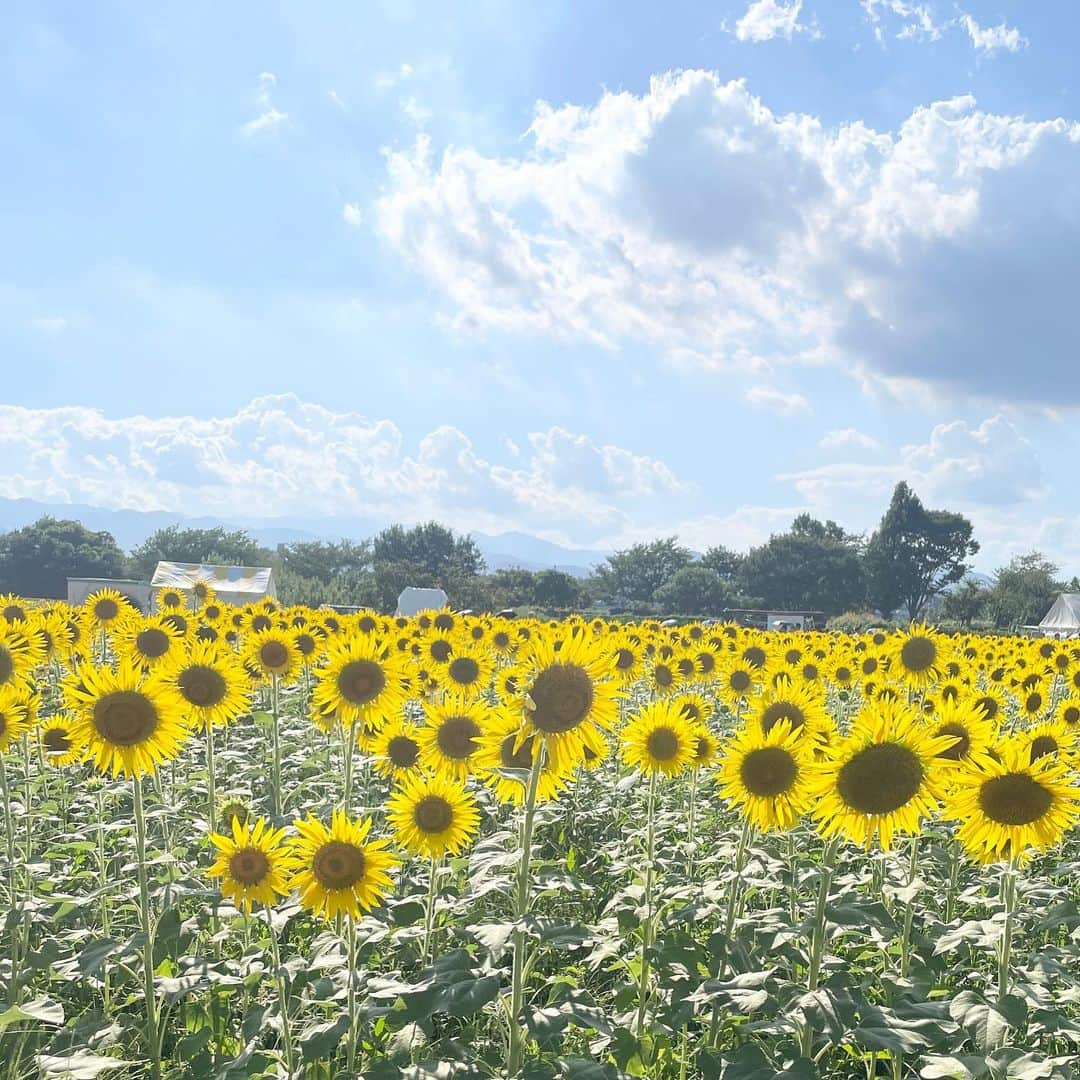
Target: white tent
point(1064, 617)
point(231, 584)
point(413, 600)
point(79, 588)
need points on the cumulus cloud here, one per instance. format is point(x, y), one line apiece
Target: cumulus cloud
point(990, 39)
point(776, 401)
point(281, 456)
point(989, 465)
point(352, 214)
point(693, 218)
point(913, 22)
point(269, 118)
point(848, 439)
point(764, 20)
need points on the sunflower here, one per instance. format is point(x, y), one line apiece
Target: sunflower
point(506, 747)
point(14, 716)
point(764, 774)
point(509, 682)
point(170, 599)
point(626, 659)
point(212, 683)
point(1050, 737)
point(662, 675)
point(252, 863)
point(801, 706)
point(659, 739)
point(202, 591)
point(695, 707)
point(13, 609)
point(1008, 806)
point(706, 747)
point(883, 777)
point(737, 681)
point(339, 871)
point(106, 608)
point(396, 749)
point(150, 642)
point(1033, 700)
point(59, 744)
point(19, 655)
point(436, 648)
point(233, 809)
point(451, 734)
point(129, 722)
point(362, 681)
point(1068, 711)
point(468, 670)
point(432, 815)
point(56, 635)
point(272, 652)
point(917, 655)
point(965, 721)
point(569, 697)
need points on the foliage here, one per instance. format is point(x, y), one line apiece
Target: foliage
point(966, 602)
point(915, 554)
point(216, 545)
point(815, 566)
point(427, 556)
point(636, 572)
point(323, 561)
point(695, 590)
point(37, 559)
point(855, 622)
point(1023, 591)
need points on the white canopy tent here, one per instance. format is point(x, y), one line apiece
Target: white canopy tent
point(1064, 617)
point(232, 584)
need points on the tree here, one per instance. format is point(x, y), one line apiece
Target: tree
point(635, 573)
point(428, 556)
point(217, 545)
point(966, 602)
point(1023, 591)
point(557, 589)
point(694, 590)
point(815, 566)
point(724, 561)
point(915, 553)
point(324, 561)
point(38, 559)
point(512, 587)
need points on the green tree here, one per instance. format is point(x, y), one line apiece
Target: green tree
point(966, 602)
point(1023, 591)
point(557, 589)
point(427, 556)
point(635, 573)
point(324, 561)
point(512, 587)
point(175, 543)
point(915, 554)
point(724, 561)
point(814, 566)
point(353, 588)
point(694, 590)
point(37, 560)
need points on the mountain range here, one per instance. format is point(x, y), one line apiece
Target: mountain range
point(132, 527)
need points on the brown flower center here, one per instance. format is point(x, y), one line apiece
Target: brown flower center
point(152, 642)
point(440, 650)
point(918, 654)
point(740, 681)
point(338, 865)
point(464, 670)
point(106, 609)
point(56, 741)
point(782, 710)
point(962, 745)
point(563, 697)
point(7, 666)
point(360, 682)
point(14, 613)
point(768, 771)
point(880, 779)
point(1043, 745)
point(1014, 799)
point(457, 737)
point(202, 685)
point(662, 744)
point(755, 656)
point(519, 758)
point(125, 718)
point(402, 751)
point(433, 815)
point(249, 866)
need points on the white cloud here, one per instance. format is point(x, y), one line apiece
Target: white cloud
point(916, 21)
point(695, 220)
point(989, 39)
point(269, 118)
point(990, 465)
point(335, 97)
point(280, 456)
point(848, 439)
point(352, 214)
point(768, 19)
point(776, 401)
point(387, 80)
point(49, 325)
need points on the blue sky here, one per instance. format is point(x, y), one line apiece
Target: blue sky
point(591, 271)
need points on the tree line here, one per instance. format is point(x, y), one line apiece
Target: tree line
point(915, 563)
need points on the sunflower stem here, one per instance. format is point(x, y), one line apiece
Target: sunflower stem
point(349, 750)
point(283, 996)
point(275, 738)
point(909, 909)
point(516, 1049)
point(429, 914)
point(1008, 896)
point(646, 928)
point(817, 940)
point(103, 882)
point(9, 833)
point(350, 1053)
point(211, 783)
point(148, 933)
point(691, 824)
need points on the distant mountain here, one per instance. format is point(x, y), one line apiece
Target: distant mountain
point(132, 527)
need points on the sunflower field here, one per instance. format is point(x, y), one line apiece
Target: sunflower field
point(283, 842)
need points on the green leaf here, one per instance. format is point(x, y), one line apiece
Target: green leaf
point(77, 1066)
point(40, 1010)
point(321, 1040)
point(986, 1024)
point(467, 998)
point(950, 1067)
